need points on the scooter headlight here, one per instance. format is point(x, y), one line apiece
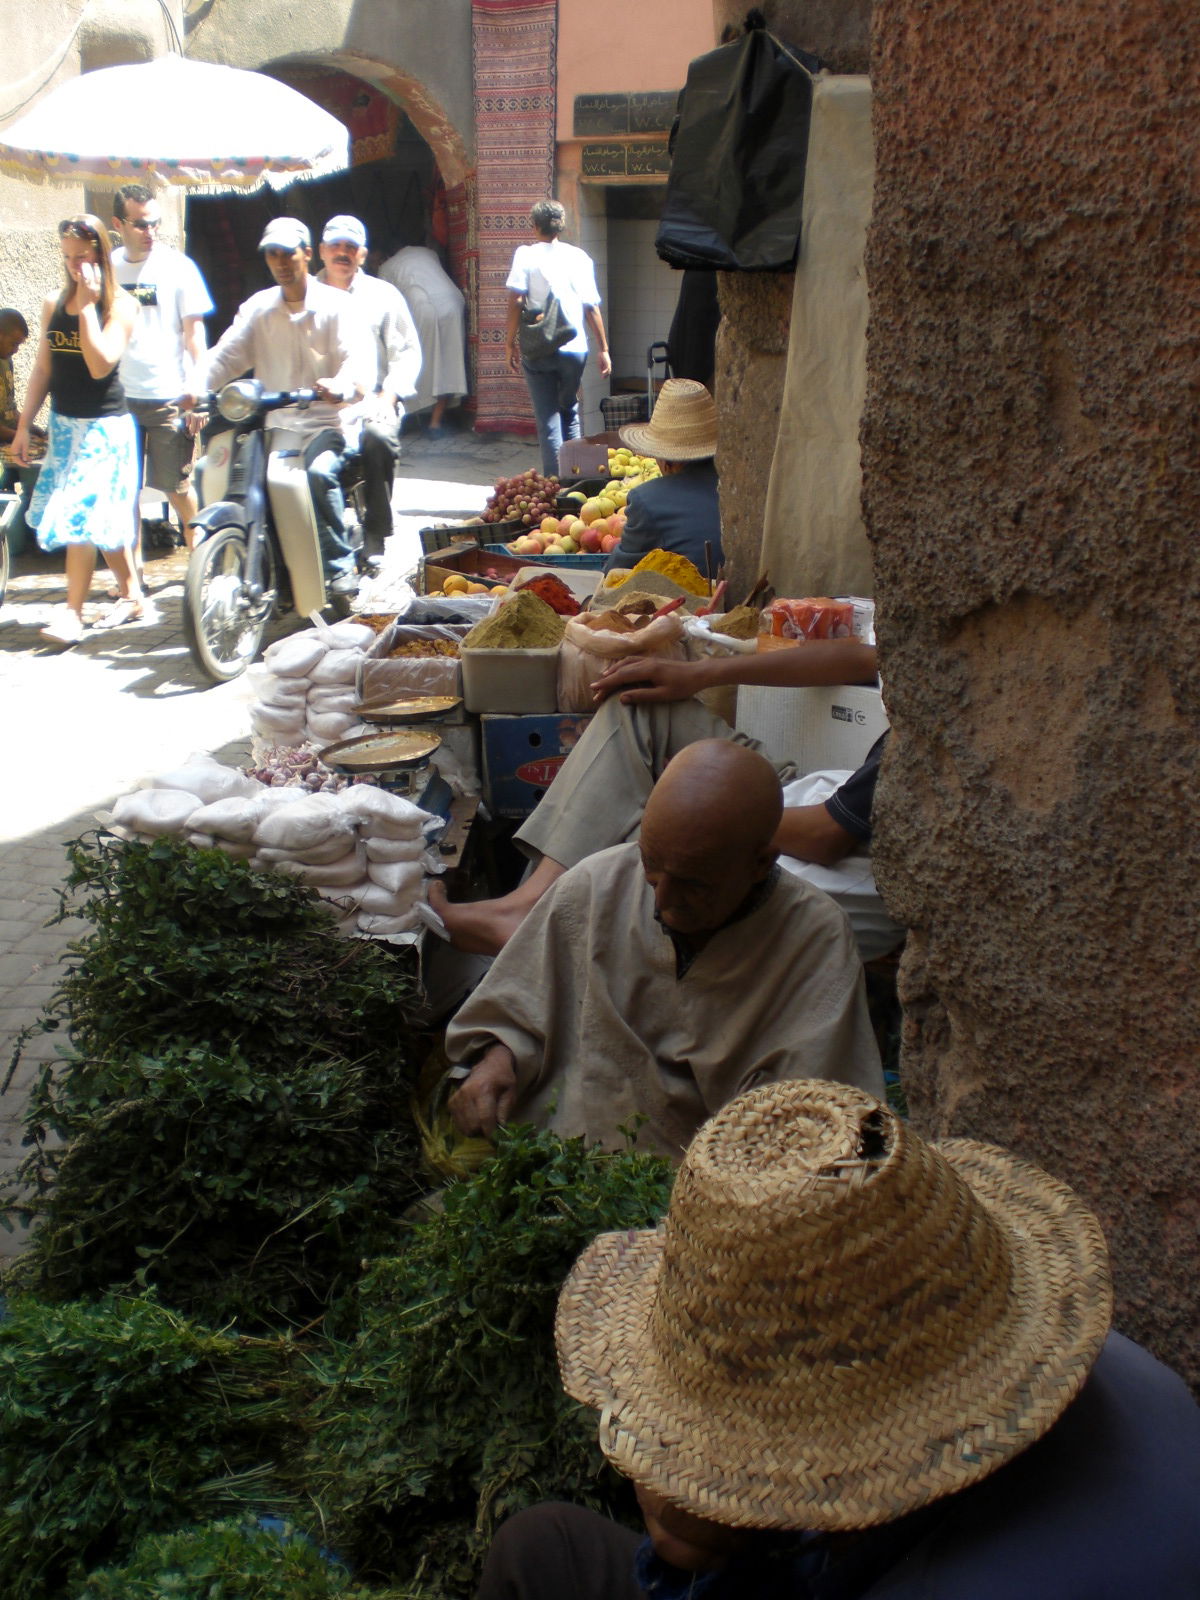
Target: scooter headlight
point(239, 400)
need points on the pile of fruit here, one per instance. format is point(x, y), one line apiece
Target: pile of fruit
point(595, 530)
point(628, 467)
point(526, 498)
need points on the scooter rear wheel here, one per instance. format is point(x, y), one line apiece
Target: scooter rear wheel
point(223, 626)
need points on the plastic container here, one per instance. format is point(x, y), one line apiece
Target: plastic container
point(510, 682)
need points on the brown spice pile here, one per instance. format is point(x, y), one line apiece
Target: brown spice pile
point(522, 623)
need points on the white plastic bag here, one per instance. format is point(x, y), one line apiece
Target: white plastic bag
point(387, 850)
point(585, 652)
point(384, 925)
point(381, 902)
point(208, 781)
point(277, 719)
point(326, 727)
point(327, 698)
point(348, 636)
point(348, 872)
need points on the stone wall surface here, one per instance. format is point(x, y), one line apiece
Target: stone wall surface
point(1031, 490)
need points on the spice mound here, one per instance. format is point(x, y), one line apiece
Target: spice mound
point(740, 623)
point(678, 568)
point(550, 588)
point(522, 623)
point(424, 647)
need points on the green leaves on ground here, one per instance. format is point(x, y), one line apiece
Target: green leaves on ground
point(121, 1419)
point(447, 1414)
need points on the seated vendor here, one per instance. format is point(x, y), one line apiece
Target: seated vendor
point(646, 716)
point(14, 331)
point(680, 511)
point(659, 979)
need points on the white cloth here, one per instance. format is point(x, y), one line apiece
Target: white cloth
point(585, 995)
point(397, 344)
point(552, 267)
point(439, 311)
point(168, 287)
point(850, 881)
point(326, 340)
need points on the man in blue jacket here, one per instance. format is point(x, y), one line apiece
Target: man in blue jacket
point(679, 511)
point(853, 1366)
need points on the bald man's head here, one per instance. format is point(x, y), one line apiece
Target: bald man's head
point(707, 832)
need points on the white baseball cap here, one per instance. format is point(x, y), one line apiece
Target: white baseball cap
point(285, 233)
point(348, 229)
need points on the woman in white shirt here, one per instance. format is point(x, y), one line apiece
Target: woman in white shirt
point(539, 270)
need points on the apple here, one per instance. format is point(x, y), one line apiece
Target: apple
point(570, 548)
point(549, 524)
point(591, 511)
point(609, 543)
point(590, 540)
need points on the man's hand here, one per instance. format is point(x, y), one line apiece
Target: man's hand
point(334, 397)
point(648, 678)
point(20, 446)
point(514, 356)
point(487, 1096)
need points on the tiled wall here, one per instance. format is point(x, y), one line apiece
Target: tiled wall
point(642, 291)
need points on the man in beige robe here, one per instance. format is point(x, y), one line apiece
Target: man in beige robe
point(661, 978)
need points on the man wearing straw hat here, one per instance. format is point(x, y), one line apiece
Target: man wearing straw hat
point(681, 510)
point(855, 1365)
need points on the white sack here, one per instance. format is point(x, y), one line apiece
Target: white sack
point(397, 877)
point(311, 821)
point(348, 636)
point(285, 694)
point(234, 819)
point(329, 726)
point(295, 657)
point(380, 814)
point(208, 781)
point(201, 841)
point(328, 697)
point(239, 852)
point(394, 849)
point(314, 855)
point(275, 719)
point(380, 902)
point(337, 666)
point(348, 871)
point(155, 811)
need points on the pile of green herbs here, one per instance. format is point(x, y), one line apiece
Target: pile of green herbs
point(230, 1309)
point(230, 1124)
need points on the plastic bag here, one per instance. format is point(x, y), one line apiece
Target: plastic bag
point(295, 656)
point(585, 652)
point(155, 811)
point(208, 781)
point(386, 850)
point(381, 815)
point(736, 188)
point(397, 877)
point(312, 821)
point(337, 666)
point(234, 819)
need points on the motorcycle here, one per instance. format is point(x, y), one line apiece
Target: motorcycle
point(256, 548)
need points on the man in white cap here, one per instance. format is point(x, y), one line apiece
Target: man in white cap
point(301, 335)
point(853, 1366)
point(376, 422)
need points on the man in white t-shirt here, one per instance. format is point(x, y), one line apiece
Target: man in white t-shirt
point(167, 345)
point(373, 427)
point(537, 271)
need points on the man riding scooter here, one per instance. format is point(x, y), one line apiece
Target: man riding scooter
point(303, 334)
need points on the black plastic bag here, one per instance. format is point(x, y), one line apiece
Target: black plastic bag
point(736, 188)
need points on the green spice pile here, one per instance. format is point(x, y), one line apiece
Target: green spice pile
point(523, 622)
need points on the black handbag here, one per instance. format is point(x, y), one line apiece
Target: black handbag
point(543, 330)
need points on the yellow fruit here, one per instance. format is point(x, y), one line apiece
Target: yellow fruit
point(607, 506)
point(457, 584)
point(590, 510)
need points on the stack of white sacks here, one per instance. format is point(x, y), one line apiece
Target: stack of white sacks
point(304, 691)
point(362, 849)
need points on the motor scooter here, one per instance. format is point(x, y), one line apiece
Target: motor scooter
point(256, 548)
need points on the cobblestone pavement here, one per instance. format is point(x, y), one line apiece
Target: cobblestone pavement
point(83, 725)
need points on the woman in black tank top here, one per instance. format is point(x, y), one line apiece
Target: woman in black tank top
point(86, 494)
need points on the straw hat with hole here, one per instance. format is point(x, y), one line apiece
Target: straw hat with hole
point(837, 1322)
point(683, 427)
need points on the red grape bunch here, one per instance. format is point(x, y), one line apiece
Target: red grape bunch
point(526, 498)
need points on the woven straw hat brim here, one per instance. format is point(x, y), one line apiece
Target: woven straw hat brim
point(847, 1447)
point(640, 436)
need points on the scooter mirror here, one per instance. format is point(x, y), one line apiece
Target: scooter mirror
point(240, 399)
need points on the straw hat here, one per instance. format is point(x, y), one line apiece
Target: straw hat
point(837, 1323)
point(683, 427)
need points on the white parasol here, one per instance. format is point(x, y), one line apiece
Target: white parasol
point(174, 122)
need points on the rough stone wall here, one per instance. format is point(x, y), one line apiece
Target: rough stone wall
point(1030, 450)
point(756, 307)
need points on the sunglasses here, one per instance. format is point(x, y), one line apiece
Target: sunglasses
point(147, 224)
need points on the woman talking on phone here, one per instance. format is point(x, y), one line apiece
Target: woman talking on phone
point(86, 490)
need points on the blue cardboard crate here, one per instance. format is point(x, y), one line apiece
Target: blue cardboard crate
point(522, 755)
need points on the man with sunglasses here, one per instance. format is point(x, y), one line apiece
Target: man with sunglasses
point(167, 347)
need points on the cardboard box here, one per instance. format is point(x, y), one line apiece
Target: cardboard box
point(522, 755)
point(582, 458)
point(817, 729)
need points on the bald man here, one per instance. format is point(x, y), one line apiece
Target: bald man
point(661, 978)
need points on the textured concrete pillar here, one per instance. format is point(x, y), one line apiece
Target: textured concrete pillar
point(1030, 454)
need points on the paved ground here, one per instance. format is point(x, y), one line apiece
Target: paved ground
point(84, 725)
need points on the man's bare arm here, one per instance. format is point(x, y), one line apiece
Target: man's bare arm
point(809, 833)
point(821, 661)
point(486, 1097)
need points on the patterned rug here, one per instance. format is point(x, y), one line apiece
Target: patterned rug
point(514, 48)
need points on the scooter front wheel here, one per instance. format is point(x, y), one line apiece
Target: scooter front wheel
point(222, 623)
